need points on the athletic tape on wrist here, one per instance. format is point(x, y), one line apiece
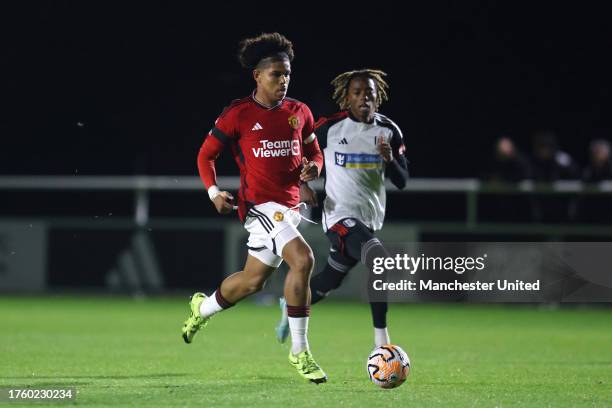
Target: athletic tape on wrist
point(213, 191)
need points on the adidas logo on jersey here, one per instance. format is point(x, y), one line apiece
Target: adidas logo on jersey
point(257, 126)
point(343, 141)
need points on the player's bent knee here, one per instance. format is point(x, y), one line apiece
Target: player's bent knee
point(299, 256)
point(303, 262)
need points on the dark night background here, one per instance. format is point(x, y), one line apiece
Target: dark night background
point(91, 88)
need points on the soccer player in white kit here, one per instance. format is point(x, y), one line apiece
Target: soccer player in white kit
point(362, 146)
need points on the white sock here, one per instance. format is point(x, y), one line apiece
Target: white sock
point(210, 306)
point(299, 331)
point(381, 336)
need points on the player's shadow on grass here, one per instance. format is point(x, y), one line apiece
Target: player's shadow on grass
point(579, 363)
point(54, 384)
point(268, 378)
point(101, 377)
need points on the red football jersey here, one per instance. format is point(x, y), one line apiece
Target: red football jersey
point(268, 145)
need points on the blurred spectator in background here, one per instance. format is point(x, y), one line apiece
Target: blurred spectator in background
point(508, 164)
point(549, 162)
point(600, 166)
point(595, 208)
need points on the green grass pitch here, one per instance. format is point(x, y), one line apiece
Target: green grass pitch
point(118, 351)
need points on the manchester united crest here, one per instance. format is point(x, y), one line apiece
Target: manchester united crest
point(278, 216)
point(294, 122)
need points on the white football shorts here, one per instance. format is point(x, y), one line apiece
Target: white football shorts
point(271, 226)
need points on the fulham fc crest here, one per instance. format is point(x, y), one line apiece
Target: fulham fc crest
point(294, 122)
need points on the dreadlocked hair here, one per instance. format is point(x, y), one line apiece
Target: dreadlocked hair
point(342, 81)
point(252, 50)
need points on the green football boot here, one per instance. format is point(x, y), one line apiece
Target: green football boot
point(195, 321)
point(307, 367)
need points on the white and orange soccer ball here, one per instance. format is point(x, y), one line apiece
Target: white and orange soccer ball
point(388, 366)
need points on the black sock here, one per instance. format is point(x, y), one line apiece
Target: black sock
point(325, 281)
point(379, 314)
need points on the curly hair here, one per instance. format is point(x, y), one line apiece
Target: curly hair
point(252, 50)
point(341, 85)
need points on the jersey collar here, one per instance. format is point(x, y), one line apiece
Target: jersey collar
point(263, 105)
point(354, 119)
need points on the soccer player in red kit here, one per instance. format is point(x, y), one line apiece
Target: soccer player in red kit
point(273, 143)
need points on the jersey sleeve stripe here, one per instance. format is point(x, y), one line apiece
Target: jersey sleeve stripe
point(222, 137)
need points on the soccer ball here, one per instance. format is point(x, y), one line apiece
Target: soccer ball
point(388, 366)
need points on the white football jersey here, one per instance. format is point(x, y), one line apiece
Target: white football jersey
point(354, 170)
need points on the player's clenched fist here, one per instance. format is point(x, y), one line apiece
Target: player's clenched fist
point(310, 171)
point(384, 149)
point(224, 202)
